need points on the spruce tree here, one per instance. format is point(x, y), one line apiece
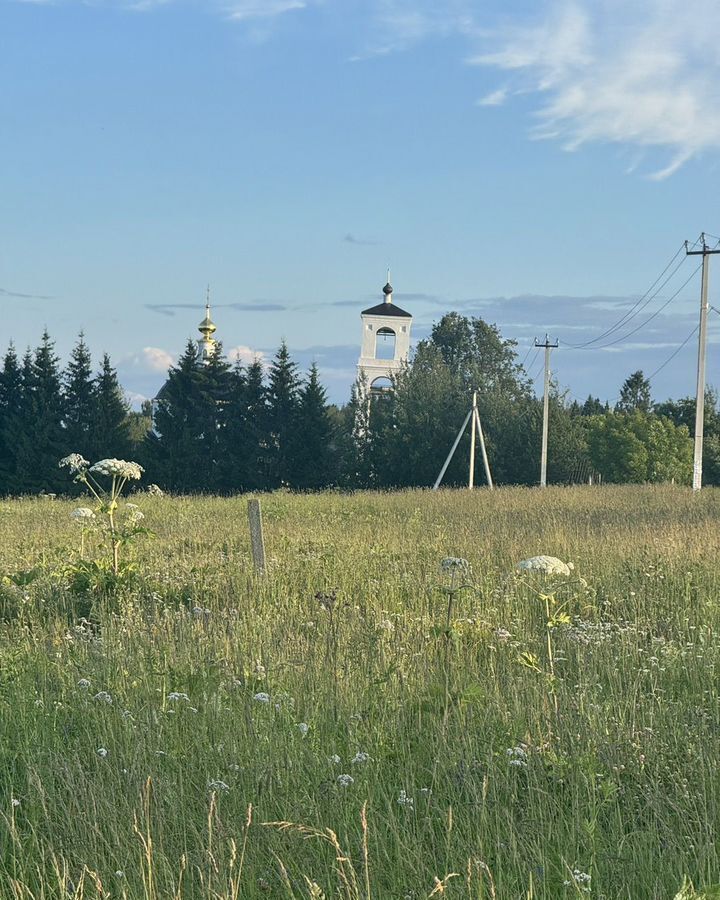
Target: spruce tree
point(79, 400)
point(214, 381)
point(173, 450)
point(11, 397)
point(110, 429)
point(282, 419)
point(315, 453)
point(38, 432)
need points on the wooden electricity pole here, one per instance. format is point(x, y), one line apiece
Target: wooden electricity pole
point(706, 253)
point(546, 408)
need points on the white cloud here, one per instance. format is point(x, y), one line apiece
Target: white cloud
point(242, 10)
point(149, 359)
point(495, 98)
point(245, 355)
point(641, 74)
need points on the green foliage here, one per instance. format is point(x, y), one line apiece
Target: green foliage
point(639, 447)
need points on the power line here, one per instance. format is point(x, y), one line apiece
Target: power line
point(650, 317)
point(634, 310)
point(673, 354)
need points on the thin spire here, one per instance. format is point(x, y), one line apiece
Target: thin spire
point(387, 290)
point(207, 301)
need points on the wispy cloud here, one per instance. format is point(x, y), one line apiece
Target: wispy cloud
point(360, 242)
point(640, 74)
point(242, 10)
point(170, 309)
point(6, 293)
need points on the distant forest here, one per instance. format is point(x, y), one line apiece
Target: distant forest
point(218, 428)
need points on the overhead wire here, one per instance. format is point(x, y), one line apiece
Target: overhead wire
point(636, 307)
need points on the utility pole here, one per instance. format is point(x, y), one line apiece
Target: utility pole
point(471, 477)
point(546, 408)
point(706, 252)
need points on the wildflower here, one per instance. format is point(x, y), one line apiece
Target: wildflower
point(15, 802)
point(327, 599)
point(452, 564)
point(517, 756)
point(82, 515)
point(386, 625)
point(75, 462)
point(119, 873)
point(303, 728)
point(334, 759)
point(360, 757)
point(426, 792)
point(545, 565)
point(118, 468)
point(405, 801)
point(345, 780)
point(580, 879)
point(134, 516)
point(102, 752)
point(155, 490)
point(259, 670)
point(176, 695)
point(502, 634)
point(262, 697)
point(103, 697)
point(218, 786)
point(83, 684)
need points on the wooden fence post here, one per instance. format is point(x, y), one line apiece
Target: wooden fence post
point(257, 541)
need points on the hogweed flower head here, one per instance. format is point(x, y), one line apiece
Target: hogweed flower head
point(345, 780)
point(75, 462)
point(218, 786)
point(262, 697)
point(452, 564)
point(83, 515)
point(360, 758)
point(118, 468)
point(545, 565)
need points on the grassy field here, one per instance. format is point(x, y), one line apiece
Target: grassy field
point(357, 723)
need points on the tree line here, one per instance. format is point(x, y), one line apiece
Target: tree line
point(222, 428)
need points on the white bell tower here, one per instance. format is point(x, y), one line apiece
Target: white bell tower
point(385, 341)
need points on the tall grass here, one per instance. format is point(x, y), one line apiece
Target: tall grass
point(495, 757)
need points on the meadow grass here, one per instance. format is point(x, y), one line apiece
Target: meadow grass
point(493, 756)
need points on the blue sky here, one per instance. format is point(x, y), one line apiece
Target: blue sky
point(537, 163)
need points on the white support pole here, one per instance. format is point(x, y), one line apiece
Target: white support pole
point(452, 452)
point(471, 477)
point(700, 387)
point(483, 451)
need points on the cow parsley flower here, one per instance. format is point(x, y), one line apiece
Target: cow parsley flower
point(404, 800)
point(82, 515)
point(155, 490)
point(517, 756)
point(545, 565)
point(360, 758)
point(15, 803)
point(75, 462)
point(303, 728)
point(218, 786)
point(345, 780)
point(262, 697)
point(102, 752)
point(173, 696)
point(581, 880)
point(118, 468)
point(83, 684)
point(453, 564)
point(334, 759)
point(103, 697)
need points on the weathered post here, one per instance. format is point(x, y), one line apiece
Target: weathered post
point(257, 541)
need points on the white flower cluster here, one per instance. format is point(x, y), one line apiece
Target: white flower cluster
point(345, 780)
point(218, 786)
point(83, 684)
point(102, 752)
point(517, 756)
point(262, 697)
point(454, 564)
point(118, 468)
point(75, 462)
point(103, 697)
point(360, 758)
point(579, 879)
point(334, 759)
point(303, 728)
point(174, 696)
point(155, 490)
point(545, 565)
point(405, 801)
point(82, 515)
point(134, 515)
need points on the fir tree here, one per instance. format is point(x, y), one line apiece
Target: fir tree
point(314, 457)
point(282, 418)
point(110, 431)
point(215, 382)
point(80, 406)
point(38, 434)
point(11, 398)
point(172, 453)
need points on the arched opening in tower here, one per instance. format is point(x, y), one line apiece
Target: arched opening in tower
point(385, 343)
